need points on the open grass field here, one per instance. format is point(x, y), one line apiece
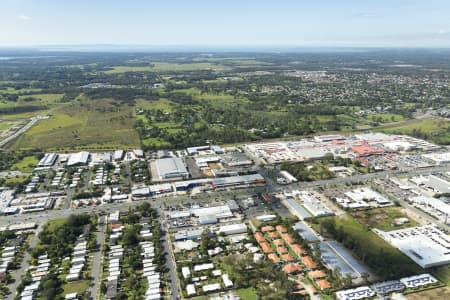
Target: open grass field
point(26, 165)
point(247, 294)
point(155, 142)
point(55, 223)
point(19, 91)
point(383, 218)
point(24, 108)
point(168, 67)
point(24, 115)
point(237, 61)
point(44, 98)
point(436, 129)
point(4, 125)
point(162, 104)
point(386, 118)
point(84, 124)
point(15, 180)
point(215, 99)
point(221, 99)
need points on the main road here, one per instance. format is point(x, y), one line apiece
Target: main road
point(162, 201)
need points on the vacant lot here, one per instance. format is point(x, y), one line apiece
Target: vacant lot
point(442, 273)
point(26, 165)
point(434, 294)
point(84, 124)
point(383, 218)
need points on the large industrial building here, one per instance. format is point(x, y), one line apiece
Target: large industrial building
point(48, 160)
point(204, 150)
point(361, 292)
point(427, 245)
point(362, 197)
point(311, 201)
point(361, 145)
point(295, 208)
point(433, 206)
point(79, 159)
point(169, 169)
point(233, 229)
point(432, 183)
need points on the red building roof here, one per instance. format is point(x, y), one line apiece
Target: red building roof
point(309, 263)
point(323, 284)
point(265, 247)
point(292, 268)
point(259, 237)
point(281, 229)
point(298, 250)
point(267, 228)
point(274, 258)
point(366, 150)
point(288, 238)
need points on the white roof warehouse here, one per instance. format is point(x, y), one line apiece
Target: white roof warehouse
point(426, 245)
point(168, 168)
point(80, 158)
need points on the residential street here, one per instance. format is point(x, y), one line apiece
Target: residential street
point(97, 262)
point(17, 275)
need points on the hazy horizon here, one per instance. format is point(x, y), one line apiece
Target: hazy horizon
point(231, 24)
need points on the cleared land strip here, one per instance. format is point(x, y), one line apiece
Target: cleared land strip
point(22, 130)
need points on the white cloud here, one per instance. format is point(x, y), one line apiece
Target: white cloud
point(24, 18)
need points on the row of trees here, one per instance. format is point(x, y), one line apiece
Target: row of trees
point(386, 261)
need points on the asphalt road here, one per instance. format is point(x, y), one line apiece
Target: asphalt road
point(68, 201)
point(87, 179)
point(170, 263)
point(96, 264)
point(364, 177)
point(19, 132)
point(162, 202)
point(208, 196)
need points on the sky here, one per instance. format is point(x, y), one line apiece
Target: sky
point(231, 23)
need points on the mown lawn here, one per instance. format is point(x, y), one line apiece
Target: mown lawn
point(247, 294)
